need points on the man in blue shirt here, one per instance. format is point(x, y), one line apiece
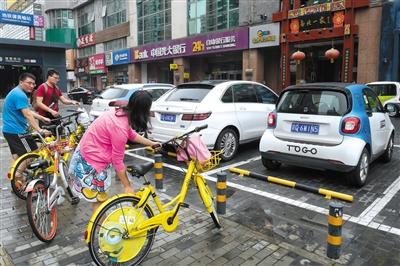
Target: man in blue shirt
point(17, 115)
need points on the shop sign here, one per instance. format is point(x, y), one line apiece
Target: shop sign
point(327, 7)
point(108, 57)
point(86, 40)
point(315, 21)
point(121, 57)
point(231, 40)
point(81, 67)
point(264, 35)
point(173, 66)
point(16, 18)
point(6, 60)
point(96, 64)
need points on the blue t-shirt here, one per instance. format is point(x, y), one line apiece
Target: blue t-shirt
point(14, 122)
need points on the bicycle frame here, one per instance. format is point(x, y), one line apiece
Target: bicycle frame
point(164, 216)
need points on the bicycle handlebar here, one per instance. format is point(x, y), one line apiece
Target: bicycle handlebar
point(76, 113)
point(42, 135)
point(196, 129)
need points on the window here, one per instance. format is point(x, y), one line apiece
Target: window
point(87, 51)
point(113, 13)
point(192, 93)
point(264, 95)
point(86, 20)
point(227, 97)
point(115, 45)
point(211, 15)
point(371, 102)
point(315, 102)
point(244, 93)
point(154, 21)
point(114, 93)
point(58, 19)
point(384, 89)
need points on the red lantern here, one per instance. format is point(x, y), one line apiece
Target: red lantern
point(332, 54)
point(298, 56)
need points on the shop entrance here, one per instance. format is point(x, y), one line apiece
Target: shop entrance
point(9, 76)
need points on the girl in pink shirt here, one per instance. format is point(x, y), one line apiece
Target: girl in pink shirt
point(103, 146)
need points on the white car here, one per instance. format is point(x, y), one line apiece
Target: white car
point(235, 112)
point(389, 94)
point(121, 94)
point(328, 126)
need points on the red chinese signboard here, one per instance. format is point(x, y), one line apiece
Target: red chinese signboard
point(86, 40)
point(97, 64)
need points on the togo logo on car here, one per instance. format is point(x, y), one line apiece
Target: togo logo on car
point(302, 149)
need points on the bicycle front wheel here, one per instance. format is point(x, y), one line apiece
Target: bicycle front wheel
point(43, 222)
point(208, 200)
point(22, 175)
point(110, 242)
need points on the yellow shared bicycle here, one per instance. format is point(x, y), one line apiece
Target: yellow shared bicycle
point(122, 230)
point(20, 175)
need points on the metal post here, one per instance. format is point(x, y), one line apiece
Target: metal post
point(221, 193)
point(158, 169)
point(335, 223)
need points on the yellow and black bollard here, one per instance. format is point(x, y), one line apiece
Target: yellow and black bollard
point(221, 193)
point(335, 222)
point(158, 170)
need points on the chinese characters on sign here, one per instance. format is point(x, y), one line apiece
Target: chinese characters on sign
point(334, 6)
point(315, 21)
point(20, 60)
point(221, 41)
point(264, 35)
point(86, 40)
point(97, 64)
point(10, 17)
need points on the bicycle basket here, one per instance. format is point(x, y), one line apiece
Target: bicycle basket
point(198, 151)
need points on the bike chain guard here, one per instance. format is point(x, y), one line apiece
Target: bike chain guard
point(113, 234)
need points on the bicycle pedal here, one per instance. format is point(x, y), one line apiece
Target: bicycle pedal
point(184, 205)
point(75, 200)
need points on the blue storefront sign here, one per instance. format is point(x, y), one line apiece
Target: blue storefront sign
point(16, 18)
point(121, 57)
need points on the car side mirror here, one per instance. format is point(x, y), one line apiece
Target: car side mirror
point(369, 112)
point(97, 95)
point(389, 108)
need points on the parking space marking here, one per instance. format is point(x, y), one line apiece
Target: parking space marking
point(397, 146)
point(390, 192)
point(233, 165)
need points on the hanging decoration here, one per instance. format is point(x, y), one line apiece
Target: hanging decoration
point(298, 56)
point(332, 54)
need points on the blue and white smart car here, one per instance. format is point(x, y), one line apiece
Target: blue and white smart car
point(329, 126)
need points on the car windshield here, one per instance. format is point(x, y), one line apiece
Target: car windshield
point(383, 89)
point(315, 102)
point(114, 93)
point(189, 94)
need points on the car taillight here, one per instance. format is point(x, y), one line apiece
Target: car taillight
point(152, 114)
point(271, 120)
point(351, 125)
point(196, 117)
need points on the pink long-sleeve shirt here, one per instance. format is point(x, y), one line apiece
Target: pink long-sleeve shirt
point(104, 141)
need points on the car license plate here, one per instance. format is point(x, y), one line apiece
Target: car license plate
point(305, 128)
point(168, 117)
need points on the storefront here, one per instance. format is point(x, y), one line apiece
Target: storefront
point(319, 43)
point(36, 57)
point(218, 55)
point(117, 65)
point(97, 71)
point(82, 72)
point(264, 55)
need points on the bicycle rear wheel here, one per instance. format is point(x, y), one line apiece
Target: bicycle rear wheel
point(208, 200)
point(110, 243)
point(42, 221)
point(22, 175)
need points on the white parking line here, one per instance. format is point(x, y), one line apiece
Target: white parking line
point(397, 146)
point(362, 220)
point(233, 165)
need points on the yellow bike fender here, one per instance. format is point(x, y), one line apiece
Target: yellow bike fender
point(12, 169)
point(101, 207)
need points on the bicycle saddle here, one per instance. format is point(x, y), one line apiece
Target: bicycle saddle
point(140, 169)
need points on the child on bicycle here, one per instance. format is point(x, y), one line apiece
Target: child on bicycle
point(103, 145)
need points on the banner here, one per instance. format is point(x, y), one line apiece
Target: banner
point(16, 18)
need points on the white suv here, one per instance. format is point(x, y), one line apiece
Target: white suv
point(329, 126)
point(389, 94)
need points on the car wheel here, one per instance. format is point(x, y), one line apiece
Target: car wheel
point(271, 164)
point(393, 110)
point(387, 156)
point(358, 176)
point(228, 141)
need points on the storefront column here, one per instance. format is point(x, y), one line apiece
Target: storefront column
point(348, 47)
point(183, 66)
point(253, 65)
point(134, 73)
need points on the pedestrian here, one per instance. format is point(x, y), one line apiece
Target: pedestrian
point(103, 146)
point(47, 96)
point(17, 115)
